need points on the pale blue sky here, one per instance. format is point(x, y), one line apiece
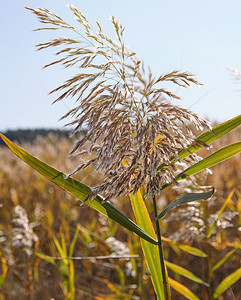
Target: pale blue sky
point(190, 35)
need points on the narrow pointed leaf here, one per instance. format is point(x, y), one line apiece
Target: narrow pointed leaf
point(225, 204)
point(233, 245)
point(186, 198)
point(4, 271)
point(184, 272)
point(45, 257)
point(71, 280)
point(78, 190)
point(208, 162)
point(186, 248)
point(211, 160)
point(226, 257)
point(60, 249)
point(211, 136)
point(63, 244)
point(192, 250)
point(213, 226)
point(71, 248)
point(180, 288)
point(227, 282)
point(207, 138)
point(150, 250)
point(3, 277)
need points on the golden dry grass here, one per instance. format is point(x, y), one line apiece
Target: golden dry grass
point(51, 211)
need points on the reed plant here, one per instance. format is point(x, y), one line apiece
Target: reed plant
point(136, 138)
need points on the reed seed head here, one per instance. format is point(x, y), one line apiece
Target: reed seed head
point(132, 126)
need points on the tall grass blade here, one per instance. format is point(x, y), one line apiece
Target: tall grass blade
point(207, 138)
point(60, 249)
point(184, 272)
point(184, 247)
point(71, 280)
point(185, 198)
point(45, 257)
point(64, 265)
point(4, 270)
point(78, 190)
point(63, 243)
point(211, 136)
point(211, 160)
point(192, 250)
point(226, 257)
point(211, 228)
point(227, 282)
point(208, 162)
point(150, 250)
point(71, 249)
point(180, 288)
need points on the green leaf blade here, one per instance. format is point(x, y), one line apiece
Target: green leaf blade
point(213, 226)
point(207, 138)
point(4, 270)
point(227, 282)
point(185, 198)
point(45, 257)
point(77, 189)
point(71, 248)
point(183, 290)
point(184, 272)
point(60, 249)
point(211, 136)
point(71, 280)
point(150, 250)
point(192, 250)
point(222, 261)
point(211, 160)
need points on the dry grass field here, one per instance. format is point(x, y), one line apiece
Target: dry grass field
point(38, 220)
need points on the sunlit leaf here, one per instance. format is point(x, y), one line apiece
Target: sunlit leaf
point(211, 136)
point(4, 271)
point(45, 257)
point(64, 265)
point(185, 198)
point(63, 244)
point(228, 244)
point(71, 280)
point(211, 160)
point(192, 250)
point(213, 226)
point(227, 282)
point(208, 162)
point(180, 288)
point(78, 190)
point(207, 138)
point(184, 272)
point(186, 248)
point(226, 257)
point(60, 249)
point(150, 250)
point(71, 248)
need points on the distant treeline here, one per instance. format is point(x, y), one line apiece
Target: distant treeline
point(29, 135)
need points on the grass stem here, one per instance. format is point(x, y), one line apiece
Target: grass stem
point(161, 256)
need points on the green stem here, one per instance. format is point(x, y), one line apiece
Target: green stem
point(209, 272)
point(161, 256)
point(207, 250)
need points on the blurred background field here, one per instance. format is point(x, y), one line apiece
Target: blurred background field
point(40, 222)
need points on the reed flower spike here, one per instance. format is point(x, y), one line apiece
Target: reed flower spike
point(132, 126)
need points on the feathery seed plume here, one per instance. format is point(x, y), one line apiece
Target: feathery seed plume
point(132, 126)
